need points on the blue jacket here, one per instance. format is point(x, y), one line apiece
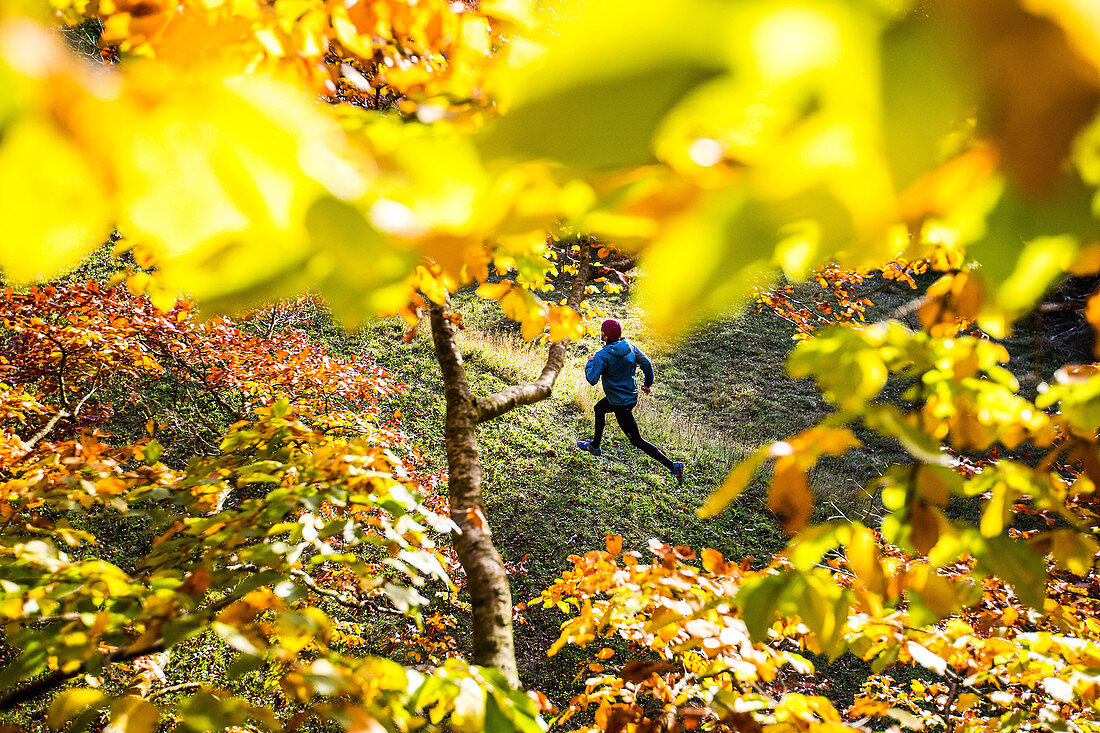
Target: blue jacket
point(616, 363)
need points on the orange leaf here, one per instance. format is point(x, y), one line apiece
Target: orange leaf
point(494, 291)
point(790, 497)
point(476, 518)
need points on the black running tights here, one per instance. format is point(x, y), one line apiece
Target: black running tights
point(625, 416)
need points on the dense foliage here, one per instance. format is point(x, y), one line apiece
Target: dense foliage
point(293, 526)
point(724, 141)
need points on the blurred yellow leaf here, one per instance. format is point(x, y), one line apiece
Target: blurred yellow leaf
point(131, 714)
point(494, 291)
point(736, 482)
point(53, 204)
point(1035, 102)
point(790, 498)
point(863, 558)
point(924, 526)
point(70, 703)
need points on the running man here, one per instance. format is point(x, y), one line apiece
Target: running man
point(616, 363)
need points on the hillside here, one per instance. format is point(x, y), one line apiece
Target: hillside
point(720, 393)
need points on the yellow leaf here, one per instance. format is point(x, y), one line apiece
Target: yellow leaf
point(494, 291)
point(131, 714)
point(565, 323)
point(1038, 101)
point(924, 526)
point(532, 326)
point(70, 703)
point(713, 562)
point(931, 484)
point(966, 700)
point(52, 203)
point(734, 484)
point(1092, 314)
point(790, 497)
point(863, 558)
point(938, 593)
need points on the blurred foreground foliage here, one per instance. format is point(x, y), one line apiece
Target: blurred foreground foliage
point(724, 142)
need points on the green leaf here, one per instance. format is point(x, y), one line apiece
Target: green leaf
point(606, 81)
point(1018, 565)
point(152, 452)
point(758, 600)
point(1028, 243)
point(616, 128)
point(926, 92)
point(359, 270)
point(811, 543)
point(70, 703)
point(823, 606)
point(889, 420)
point(495, 719)
point(30, 662)
point(711, 258)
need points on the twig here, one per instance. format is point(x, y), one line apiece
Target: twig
point(28, 446)
point(56, 678)
point(526, 394)
point(341, 598)
point(951, 695)
point(183, 686)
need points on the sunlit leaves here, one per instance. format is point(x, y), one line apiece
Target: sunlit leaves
point(790, 498)
point(597, 105)
point(336, 517)
point(789, 131)
point(687, 617)
point(47, 231)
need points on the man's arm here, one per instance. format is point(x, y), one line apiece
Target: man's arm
point(647, 368)
point(594, 368)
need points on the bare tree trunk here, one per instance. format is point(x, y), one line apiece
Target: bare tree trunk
point(487, 581)
point(486, 578)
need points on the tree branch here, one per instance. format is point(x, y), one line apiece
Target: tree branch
point(623, 264)
point(526, 394)
point(29, 445)
point(200, 378)
point(182, 687)
point(55, 679)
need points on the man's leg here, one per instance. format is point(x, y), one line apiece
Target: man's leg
point(625, 416)
point(602, 408)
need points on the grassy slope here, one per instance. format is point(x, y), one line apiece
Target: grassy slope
point(719, 394)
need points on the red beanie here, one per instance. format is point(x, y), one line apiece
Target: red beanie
point(612, 330)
